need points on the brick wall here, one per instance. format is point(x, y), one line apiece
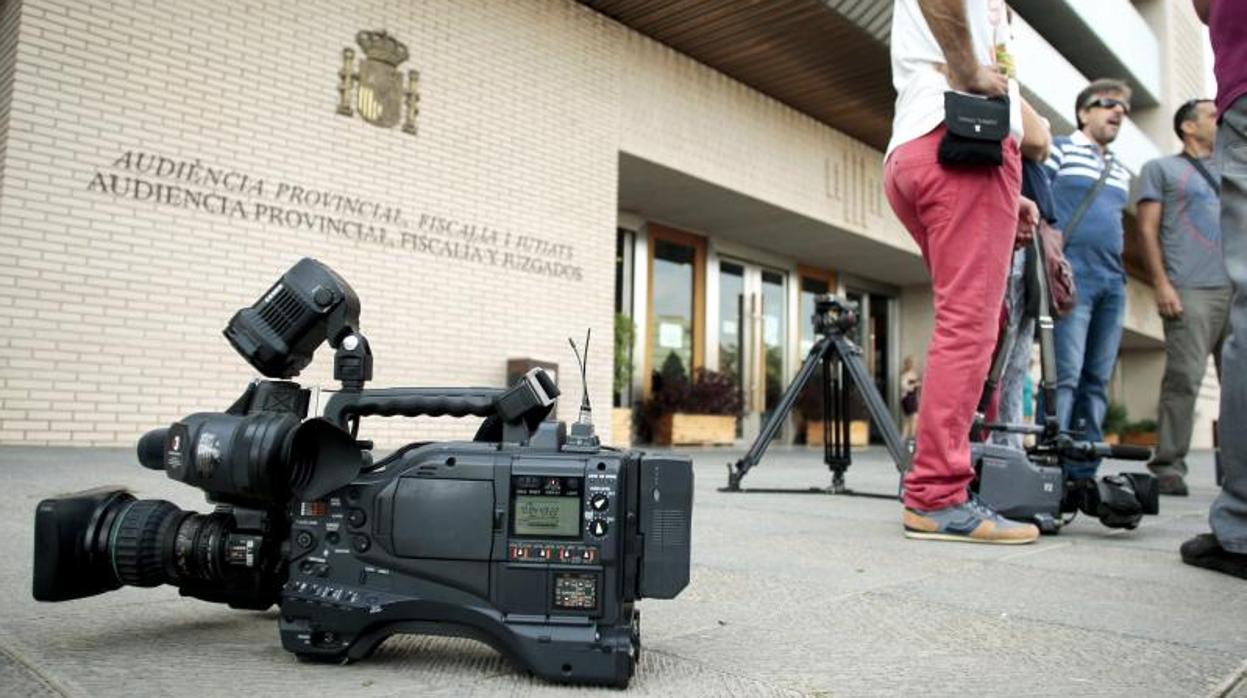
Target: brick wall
point(113, 305)
point(117, 301)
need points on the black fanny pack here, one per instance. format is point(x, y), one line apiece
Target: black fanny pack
point(976, 128)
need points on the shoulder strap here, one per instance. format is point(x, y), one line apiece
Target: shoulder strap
point(1216, 186)
point(1075, 219)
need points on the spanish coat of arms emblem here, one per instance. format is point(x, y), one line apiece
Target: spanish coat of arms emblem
point(375, 90)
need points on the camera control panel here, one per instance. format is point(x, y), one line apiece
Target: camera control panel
point(561, 519)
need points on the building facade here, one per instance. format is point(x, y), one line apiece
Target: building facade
point(516, 173)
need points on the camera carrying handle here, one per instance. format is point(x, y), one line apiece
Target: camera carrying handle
point(413, 402)
point(530, 399)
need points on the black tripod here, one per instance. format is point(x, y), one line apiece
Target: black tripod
point(841, 364)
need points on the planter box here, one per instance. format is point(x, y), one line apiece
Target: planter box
point(621, 427)
point(859, 433)
point(682, 429)
point(1140, 438)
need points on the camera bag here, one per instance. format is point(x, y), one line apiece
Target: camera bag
point(976, 127)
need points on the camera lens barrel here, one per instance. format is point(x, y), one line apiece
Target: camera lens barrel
point(198, 548)
point(137, 541)
point(154, 542)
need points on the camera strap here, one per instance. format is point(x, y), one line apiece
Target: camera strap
point(1083, 205)
point(1216, 186)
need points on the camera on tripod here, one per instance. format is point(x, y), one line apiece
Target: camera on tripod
point(532, 541)
point(833, 315)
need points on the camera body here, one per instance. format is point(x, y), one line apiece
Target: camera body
point(535, 550)
point(537, 543)
point(1032, 486)
point(833, 314)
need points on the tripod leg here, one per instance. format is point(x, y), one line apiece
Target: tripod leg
point(835, 417)
point(1000, 358)
point(812, 361)
point(849, 355)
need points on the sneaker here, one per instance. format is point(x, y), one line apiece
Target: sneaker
point(1172, 485)
point(1204, 551)
point(971, 521)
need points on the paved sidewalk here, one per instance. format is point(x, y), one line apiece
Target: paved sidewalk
point(791, 594)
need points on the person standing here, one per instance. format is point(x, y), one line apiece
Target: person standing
point(1090, 189)
point(1179, 222)
point(909, 398)
point(1015, 401)
point(1225, 549)
point(965, 220)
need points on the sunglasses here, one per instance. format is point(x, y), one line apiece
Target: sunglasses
point(1108, 103)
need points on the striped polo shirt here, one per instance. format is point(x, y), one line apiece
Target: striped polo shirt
point(1075, 164)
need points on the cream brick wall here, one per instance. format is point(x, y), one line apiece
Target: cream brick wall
point(113, 307)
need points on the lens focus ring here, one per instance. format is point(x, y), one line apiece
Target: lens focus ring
point(136, 549)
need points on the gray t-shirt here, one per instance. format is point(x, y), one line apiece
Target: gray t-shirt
point(1190, 225)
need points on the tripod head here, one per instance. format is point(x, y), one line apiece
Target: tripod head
point(833, 315)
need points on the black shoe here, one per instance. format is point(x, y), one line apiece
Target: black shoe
point(1172, 485)
point(1204, 551)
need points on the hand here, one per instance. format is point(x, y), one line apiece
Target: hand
point(984, 80)
point(1028, 220)
point(1167, 301)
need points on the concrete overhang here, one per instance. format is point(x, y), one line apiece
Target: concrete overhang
point(658, 193)
point(1102, 38)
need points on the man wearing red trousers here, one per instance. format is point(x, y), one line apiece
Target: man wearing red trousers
point(966, 221)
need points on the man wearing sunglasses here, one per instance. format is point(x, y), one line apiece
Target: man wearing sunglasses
point(1180, 228)
point(1090, 189)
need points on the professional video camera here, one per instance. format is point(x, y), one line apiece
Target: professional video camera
point(1031, 485)
point(533, 540)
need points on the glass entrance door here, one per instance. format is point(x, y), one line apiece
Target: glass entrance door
point(675, 334)
point(873, 335)
point(753, 337)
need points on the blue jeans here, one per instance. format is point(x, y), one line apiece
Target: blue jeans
point(1086, 350)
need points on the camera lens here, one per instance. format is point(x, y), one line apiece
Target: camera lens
point(96, 541)
point(72, 541)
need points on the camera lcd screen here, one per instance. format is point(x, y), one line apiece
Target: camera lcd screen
point(546, 516)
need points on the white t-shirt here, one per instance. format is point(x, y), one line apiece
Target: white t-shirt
point(916, 56)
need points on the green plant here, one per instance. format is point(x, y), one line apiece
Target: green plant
point(1143, 426)
point(1115, 419)
point(709, 392)
point(625, 334)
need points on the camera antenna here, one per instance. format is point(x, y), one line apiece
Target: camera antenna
point(582, 436)
point(586, 412)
